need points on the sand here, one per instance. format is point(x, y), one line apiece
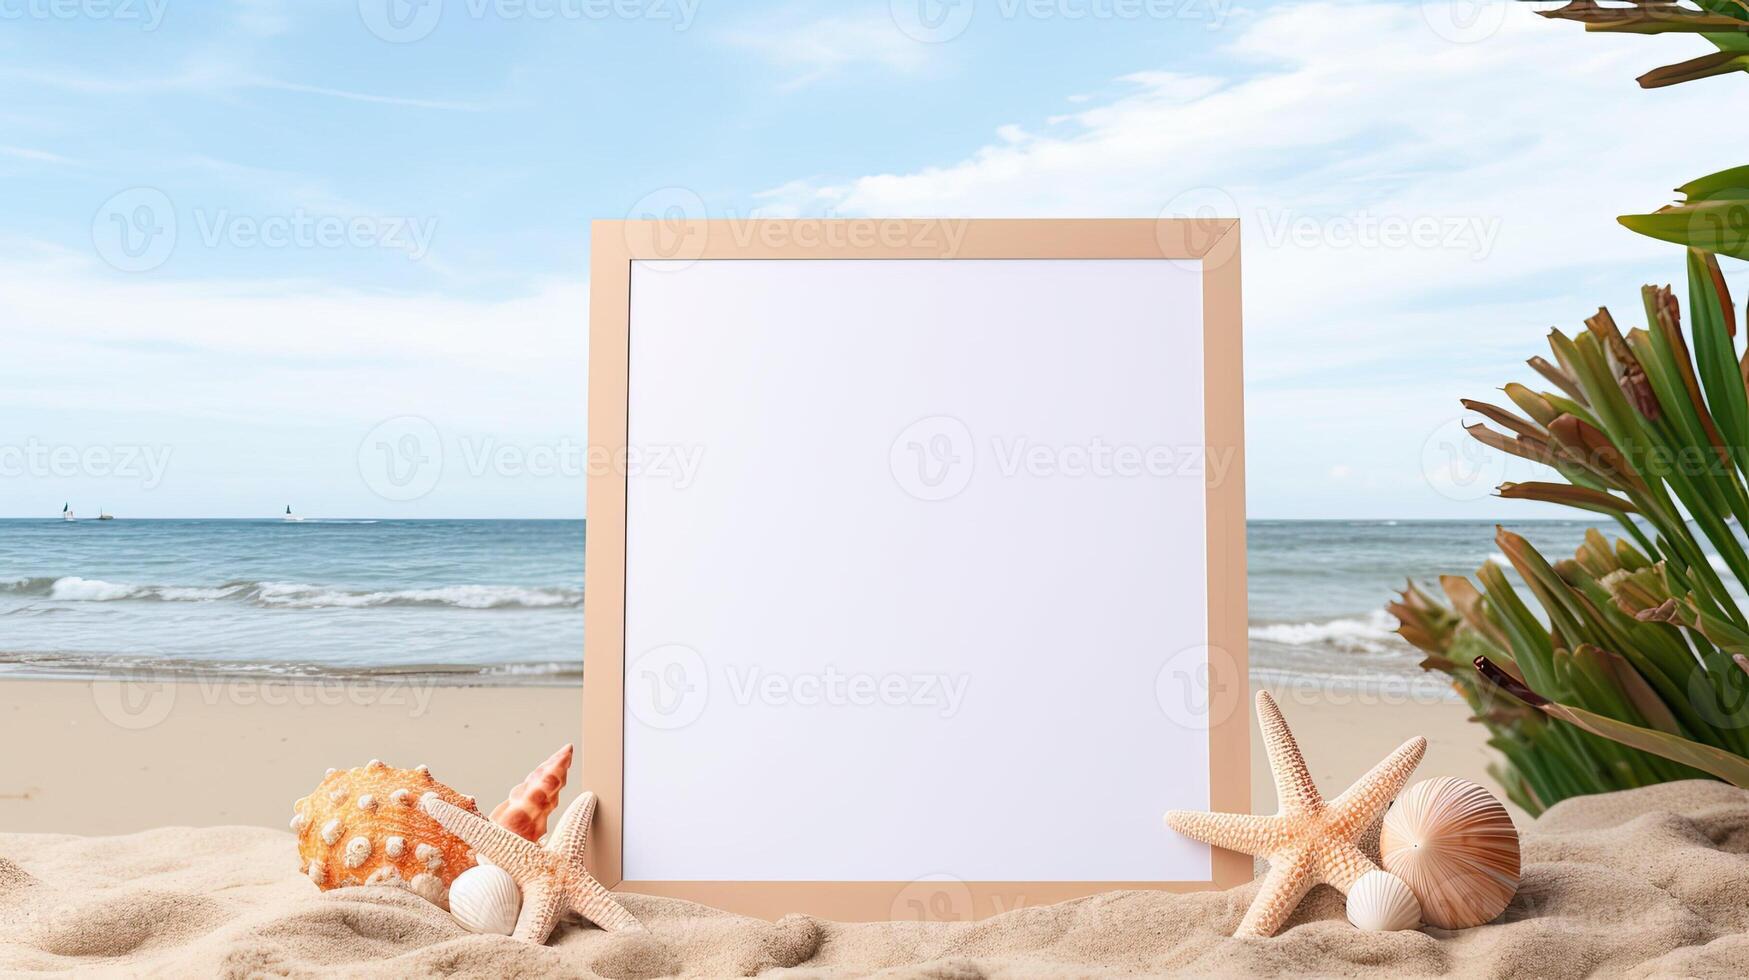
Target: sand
point(219, 752)
point(240, 751)
point(1651, 882)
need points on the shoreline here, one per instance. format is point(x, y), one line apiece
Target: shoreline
point(221, 751)
point(146, 670)
point(1358, 685)
point(458, 598)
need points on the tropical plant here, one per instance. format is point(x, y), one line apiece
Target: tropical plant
point(1714, 214)
point(1637, 669)
point(1723, 22)
point(1635, 673)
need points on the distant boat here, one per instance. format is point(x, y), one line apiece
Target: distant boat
point(67, 512)
point(104, 515)
point(288, 514)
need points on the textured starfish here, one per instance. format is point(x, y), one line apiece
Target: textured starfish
point(552, 875)
point(1309, 841)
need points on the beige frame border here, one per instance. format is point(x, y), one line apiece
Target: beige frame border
point(616, 244)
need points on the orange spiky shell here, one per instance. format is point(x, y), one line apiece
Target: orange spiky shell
point(364, 826)
point(534, 799)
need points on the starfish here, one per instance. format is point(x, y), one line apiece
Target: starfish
point(552, 875)
point(1309, 841)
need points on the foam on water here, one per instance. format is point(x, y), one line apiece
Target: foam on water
point(502, 601)
point(76, 589)
point(297, 595)
point(1371, 634)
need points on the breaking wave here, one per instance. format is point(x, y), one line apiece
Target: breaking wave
point(298, 595)
point(157, 668)
point(1372, 634)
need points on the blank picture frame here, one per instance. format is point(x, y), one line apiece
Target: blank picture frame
point(915, 575)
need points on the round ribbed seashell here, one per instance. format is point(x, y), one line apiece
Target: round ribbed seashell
point(485, 898)
point(1380, 902)
point(1454, 845)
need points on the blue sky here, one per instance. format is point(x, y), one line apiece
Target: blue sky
point(255, 253)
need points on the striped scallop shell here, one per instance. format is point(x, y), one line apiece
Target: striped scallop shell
point(364, 826)
point(1454, 845)
point(1381, 902)
point(486, 899)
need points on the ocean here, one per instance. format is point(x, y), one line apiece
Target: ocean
point(502, 601)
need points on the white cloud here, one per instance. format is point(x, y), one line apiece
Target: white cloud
point(351, 96)
point(266, 390)
point(212, 77)
point(85, 339)
point(1413, 208)
point(263, 18)
point(813, 50)
point(189, 77)
point(1515, 149)
point(34, 156)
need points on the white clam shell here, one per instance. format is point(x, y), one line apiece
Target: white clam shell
point(1381, 902)
point(485, 898)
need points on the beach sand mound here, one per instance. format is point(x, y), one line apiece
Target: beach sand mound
point(1650, 882)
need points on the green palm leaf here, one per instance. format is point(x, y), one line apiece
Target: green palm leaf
point(1713, 215)
point(1731, 768)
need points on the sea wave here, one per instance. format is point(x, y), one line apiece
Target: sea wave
point(1372, 634)
point(141, 668)
point(88, 589)
point(298, 595)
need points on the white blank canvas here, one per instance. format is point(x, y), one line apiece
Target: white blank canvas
point(897, 622)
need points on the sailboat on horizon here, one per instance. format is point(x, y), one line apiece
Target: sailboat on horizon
point(289, 516)
point(67, 511)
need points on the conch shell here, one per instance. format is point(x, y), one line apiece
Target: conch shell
point(535, 798)
point(364, 826)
